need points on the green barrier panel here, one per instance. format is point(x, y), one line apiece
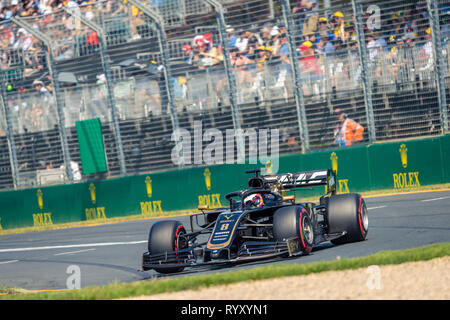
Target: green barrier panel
point(41, 206)
point(350, 165)
point(406, 165)
point(92, 151)
point(445, 148)
point(402, 165)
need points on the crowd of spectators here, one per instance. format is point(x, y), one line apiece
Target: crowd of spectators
point(26, 8)
point(327, 44)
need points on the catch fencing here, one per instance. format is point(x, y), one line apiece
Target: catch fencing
point(147, 68)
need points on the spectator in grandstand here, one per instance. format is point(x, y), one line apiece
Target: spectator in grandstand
point(347, 131)
point(445, 23)
point(306, 13)
point(8, 36)
point(409, 39)
point(201, 41)
point(35, 59)
point(242, 42)
point(325, 45)
point(208, 40)
point(244, 75)
point(275, 42)
point(231, 37)
point(284, 66)
point(23, 40)
point(426, 61)
point(355, 62)
point(339, 27)
point(4, 40)
point(233, 55)
point(261, 60)
point(45, 6)
point(251, 50)
point(398, 59)
point(210, 58)
point(5, 60)
point(41, 105)
point(253, 44)
point(64, 49)
point(282, 28)
point(119, 9)
point(284, 49)
point(261, 55)
point(188, 54)
point(336, 65)
point(397, 22)
point(309, 68)
point(373, 48)
point(7, 13)
point(380, 40)
point(324, 30)
point(410, 22)
point(266, 38)
point(199, 55)
point(269, 55)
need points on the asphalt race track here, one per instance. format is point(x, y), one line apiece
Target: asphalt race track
point(107, 253)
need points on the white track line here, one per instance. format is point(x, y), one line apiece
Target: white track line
point(73, 252)
point(73, 246)
point(441, 198)
point(376, 207)
point(10, 261)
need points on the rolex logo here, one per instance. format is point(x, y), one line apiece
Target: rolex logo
point(404, 155)
point(40, 200)
point(207, 175)
point(148, 185)
point(92, 191)
point(334, 162)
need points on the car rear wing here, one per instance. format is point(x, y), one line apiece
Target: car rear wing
point(324, 177)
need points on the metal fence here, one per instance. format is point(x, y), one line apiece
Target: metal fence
point(146, 68)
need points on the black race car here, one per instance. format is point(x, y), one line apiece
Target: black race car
point(261, 222)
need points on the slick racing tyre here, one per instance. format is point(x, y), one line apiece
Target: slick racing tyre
point(164, 236)
point(347, 212)
point(294, 221)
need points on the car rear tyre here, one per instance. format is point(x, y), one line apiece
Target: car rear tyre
point(164, 236)
point(347, 212)
point(294, 221)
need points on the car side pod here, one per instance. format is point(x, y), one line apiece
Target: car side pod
point(347, 212)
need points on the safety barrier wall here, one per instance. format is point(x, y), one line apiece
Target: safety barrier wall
point(401, 166)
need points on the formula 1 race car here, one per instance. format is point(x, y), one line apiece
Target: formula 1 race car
point(261, 222)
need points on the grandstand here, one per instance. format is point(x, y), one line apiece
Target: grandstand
point(125, 57)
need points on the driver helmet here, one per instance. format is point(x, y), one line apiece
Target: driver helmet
point(254, 200)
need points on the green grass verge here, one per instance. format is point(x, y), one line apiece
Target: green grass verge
point(154, 286)
point(10, 290)
point(375, 193)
